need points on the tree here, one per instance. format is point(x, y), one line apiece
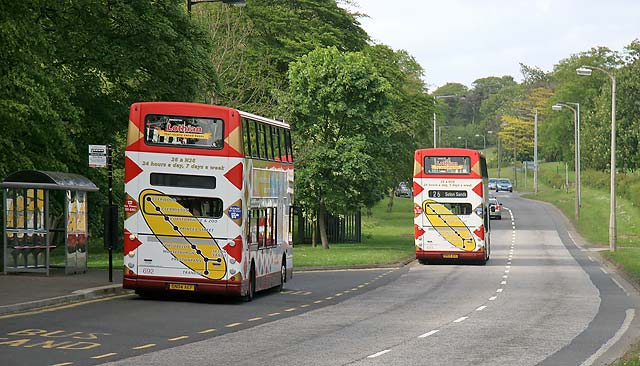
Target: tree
point(335, 98)
point(405, 117)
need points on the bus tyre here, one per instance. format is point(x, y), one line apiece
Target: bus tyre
point(422, 261)
point(283, 275)
point(252, 285)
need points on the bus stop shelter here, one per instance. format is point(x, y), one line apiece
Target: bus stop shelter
point(31, 227)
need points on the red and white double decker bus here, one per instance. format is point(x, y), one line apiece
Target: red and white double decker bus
point(209, 192)
point(451, 205)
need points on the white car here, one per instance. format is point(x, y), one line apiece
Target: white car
point(495, 209)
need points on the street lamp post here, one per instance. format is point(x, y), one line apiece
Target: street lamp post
point(586, 71)
point(535, 153)
point(435, 99)
point(576, 155)
point(465, 141)
point(484, 141)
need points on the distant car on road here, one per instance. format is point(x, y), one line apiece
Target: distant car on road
point(495, 209)
point(492, 183)
point(504, 184)
point(404, 190)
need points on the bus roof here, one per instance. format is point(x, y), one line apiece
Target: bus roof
point(448, 151)
point(270, 121)
point(252, 116)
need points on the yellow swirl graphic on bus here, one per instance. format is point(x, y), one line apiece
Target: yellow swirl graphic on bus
point(182, 234)
point(449, 225)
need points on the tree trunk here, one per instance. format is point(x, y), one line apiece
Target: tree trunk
point(323, 228)
point(314, 238)
point(390, 202)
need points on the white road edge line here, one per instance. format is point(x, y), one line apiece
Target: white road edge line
point(429, 333)
point(619, 285)
point(630, 314)
point(379, 353)
point(604, 270)
point(481, 308)
point(461, 319)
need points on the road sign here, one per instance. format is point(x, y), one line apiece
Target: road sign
point(97, 156)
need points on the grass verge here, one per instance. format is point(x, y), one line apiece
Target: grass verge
point(386, 238)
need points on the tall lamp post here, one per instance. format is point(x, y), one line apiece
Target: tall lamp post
point(576, 133)
point(435, 99)
point(586, 71)
point(465, 141)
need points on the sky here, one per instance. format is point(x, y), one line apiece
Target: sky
point(465, 40)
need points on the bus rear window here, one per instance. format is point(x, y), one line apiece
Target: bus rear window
point(186, 131)
point(183, 181)
point(196, 206)
point(447, 165)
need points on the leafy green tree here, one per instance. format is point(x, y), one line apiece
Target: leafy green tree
point(408, 117)
point(335, 98)
point(73, 68)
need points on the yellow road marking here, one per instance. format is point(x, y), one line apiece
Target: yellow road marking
point(304, 306)
point(104, 356)
point(145, 346)
point(290, 309)
point(254, 319)
point(232, 325)
point(178, 338)
point(67, 306)
point(207, 331)
point(274, 314)
point(328, 298)
point(317, 301)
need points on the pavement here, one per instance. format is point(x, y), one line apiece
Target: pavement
point(26, 291)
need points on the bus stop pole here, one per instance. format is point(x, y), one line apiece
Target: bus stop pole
point(110, 175)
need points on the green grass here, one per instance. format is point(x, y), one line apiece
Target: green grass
point(386, 238)
point(98, 256)
point(593, 223)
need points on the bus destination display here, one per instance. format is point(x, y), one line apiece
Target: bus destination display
point(447, 194)
point(447, 164)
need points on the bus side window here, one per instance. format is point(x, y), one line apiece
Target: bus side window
point(270, 227)
point(260, 227)
point(253, 226)
point(246, 137)
point(278, 143)
point(288, 147)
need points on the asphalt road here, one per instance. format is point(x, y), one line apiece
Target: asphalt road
point(539, 300)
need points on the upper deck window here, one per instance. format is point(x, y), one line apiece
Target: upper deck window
point(184, 131)
point(447, 165)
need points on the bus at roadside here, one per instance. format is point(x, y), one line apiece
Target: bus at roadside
point(451, 216)
point(208, 198)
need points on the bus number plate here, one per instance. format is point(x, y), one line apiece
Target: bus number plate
point(447, 194)
point(450, 256)
point(182, 287)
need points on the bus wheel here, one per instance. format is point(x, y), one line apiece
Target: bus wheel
point(252, 285)
point(283, 275)
point(423, 261)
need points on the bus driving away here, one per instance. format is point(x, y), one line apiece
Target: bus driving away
point(208, 197)
point(451, 217)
